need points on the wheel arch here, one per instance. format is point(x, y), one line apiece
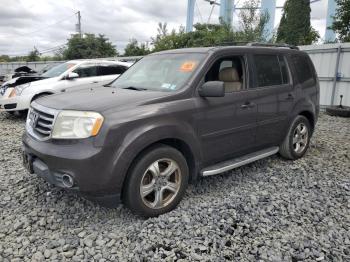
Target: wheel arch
point(182, 147)
point(305, 107)
point(134, 145)
point(41, 94)
point(309, 116)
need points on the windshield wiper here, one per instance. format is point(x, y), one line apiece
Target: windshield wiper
point(135, 88)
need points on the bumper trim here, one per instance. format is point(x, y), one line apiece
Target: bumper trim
point(42, 170)
point(10, 106)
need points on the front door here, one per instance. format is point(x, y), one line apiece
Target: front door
point(88, 78)
point(226, 125)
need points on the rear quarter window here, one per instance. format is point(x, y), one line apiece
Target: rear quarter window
point(303, 69)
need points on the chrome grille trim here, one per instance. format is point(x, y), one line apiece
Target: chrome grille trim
point(45, 120)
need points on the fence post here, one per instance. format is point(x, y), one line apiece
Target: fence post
point(336, 75)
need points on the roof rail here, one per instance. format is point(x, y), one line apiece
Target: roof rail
point(228, 43)
point(273, 45)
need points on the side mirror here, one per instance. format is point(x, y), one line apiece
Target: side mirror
point(212, 89)
point(71, 75)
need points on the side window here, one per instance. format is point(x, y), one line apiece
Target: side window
point(229, 70)
point(87, 70)
point(303, 69)
point(268, 71)
point(284, 69)
point(110, 69)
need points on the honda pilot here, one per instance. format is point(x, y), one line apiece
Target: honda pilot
point(173, 117)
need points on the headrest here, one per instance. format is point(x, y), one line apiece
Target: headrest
point(229, 74)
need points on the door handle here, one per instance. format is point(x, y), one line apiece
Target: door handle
point(94, 82)
point(290, 97)
point(247, 105)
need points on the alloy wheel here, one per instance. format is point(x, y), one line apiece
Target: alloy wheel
point(300, 138)
point(160, 183)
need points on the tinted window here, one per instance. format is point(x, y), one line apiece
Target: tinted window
point(111, 70)
point(268, 72)
point(87, 70)
point(302, 68)
point(284, 69)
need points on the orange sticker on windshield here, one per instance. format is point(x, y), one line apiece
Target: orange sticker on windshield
point(188, 66)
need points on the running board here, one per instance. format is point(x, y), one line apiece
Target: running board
point(240, 161)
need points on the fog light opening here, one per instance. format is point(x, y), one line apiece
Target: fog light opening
point(67, 181)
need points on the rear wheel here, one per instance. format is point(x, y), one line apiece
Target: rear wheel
point(297, 140)
point(157, 181)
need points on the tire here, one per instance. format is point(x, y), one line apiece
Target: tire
point(18, 114)
point(299, 133)
point(338, 111)
point(162, 193)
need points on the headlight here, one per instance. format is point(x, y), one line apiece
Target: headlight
point(19, 89)
point(76, 124)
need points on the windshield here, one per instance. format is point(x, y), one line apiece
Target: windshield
point(58, 70)
point(167, 72)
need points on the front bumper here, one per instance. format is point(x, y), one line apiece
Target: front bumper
point(89, 166)
point(16, 103)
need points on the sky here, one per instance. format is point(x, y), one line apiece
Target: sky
point(47, 24)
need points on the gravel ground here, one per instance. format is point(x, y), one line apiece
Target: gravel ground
point(271, 210)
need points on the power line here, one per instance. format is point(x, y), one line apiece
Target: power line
point(47, 50)
point(45, 27)
point(199, 12)
point(52, 49)
point(211, 11)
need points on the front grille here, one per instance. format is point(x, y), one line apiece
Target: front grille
point(40, 121)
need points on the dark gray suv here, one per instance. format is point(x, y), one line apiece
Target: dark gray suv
point(171, 118)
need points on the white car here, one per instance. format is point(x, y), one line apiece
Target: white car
point(70, 76)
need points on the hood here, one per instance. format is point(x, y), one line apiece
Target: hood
point(45, 81)
point(100, 99)
point(22, 80)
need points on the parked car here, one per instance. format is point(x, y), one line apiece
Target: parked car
point(26, 78)
point(171, 118)
point(70, 76)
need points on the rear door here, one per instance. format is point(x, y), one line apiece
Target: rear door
point(275, 97)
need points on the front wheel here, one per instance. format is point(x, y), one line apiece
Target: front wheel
point(157, 181)
point(297, 140)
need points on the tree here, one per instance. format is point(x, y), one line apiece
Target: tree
point(33, 55)
point(295, 27)
point(89, 46)
point(341, 24)
point(5, 58)
point(252, 23)
point(133, 48)
point(251, 29)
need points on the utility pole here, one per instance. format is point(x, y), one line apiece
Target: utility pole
point(190, 14)
point(269, 7)
point(78, 25)
point(331, 9)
